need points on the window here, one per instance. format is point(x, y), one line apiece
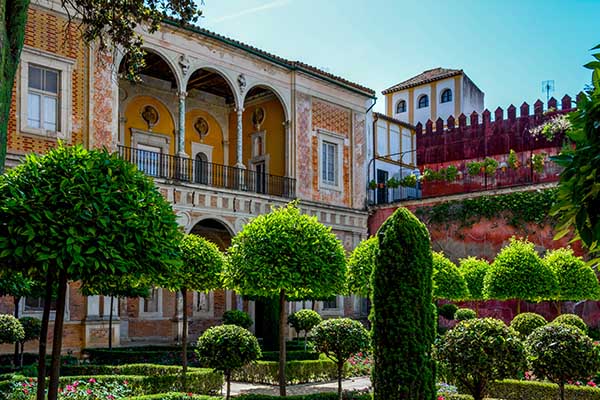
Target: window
point(424, 101)
point(36, 304)
point(45, 97)
point(333, 306)
point(148, 159)
point(202, 303)
point(152, 303)
point(400, 107)
point(330, 304)
point(42, 98)
point(329, 163)
point(446, 96)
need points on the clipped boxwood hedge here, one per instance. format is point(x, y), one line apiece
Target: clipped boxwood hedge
point(511, 389)
point(290, 355)
point(174, 396)
point(165, 355)
point(296, 372)
point(126, 369)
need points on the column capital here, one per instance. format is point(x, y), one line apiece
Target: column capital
point(182, 95)
point(239, 110)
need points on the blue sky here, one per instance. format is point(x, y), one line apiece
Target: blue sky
point(507, 47)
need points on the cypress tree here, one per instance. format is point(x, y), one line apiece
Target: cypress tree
point(402, 316)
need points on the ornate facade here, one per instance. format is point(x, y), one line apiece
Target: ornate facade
point(226, 130)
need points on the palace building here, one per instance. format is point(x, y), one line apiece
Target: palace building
point(226, 130)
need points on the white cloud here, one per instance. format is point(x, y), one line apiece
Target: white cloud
point(253, 10)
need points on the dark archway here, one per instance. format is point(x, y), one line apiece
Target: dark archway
point(215, 231)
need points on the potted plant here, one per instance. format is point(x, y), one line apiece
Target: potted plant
point(372, 184)
point(393, 183)
point(409, 181)
point(451, 173)
point(490, 165)
point(537, 160)
point(474, 168)
point(512, 160)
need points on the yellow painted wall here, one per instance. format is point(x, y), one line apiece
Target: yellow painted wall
point(164, 126)
point(274, 136)
point(214, 137)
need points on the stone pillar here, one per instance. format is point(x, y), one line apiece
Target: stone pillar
point(252, 312)
point(181, 141)
point(93, 307)
point(288, 149)
point(240, 132)
point(227, 300)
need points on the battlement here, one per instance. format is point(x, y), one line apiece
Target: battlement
point(471, 138)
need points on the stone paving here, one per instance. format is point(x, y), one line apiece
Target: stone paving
point(359, 383)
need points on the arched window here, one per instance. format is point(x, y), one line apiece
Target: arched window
point(424, 101)
point(446, 96)
point(400, 107)
point(202, 168)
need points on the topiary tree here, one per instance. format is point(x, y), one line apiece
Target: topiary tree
point(360, 267)
point(32, 328)
point(82, 215)
point(11, 330)
point(526, 323)
point(473, 270)
point(304, 320)
point(226, 348)
point(339, 339)
point(403, 317)
point(576, 280)
point(562, 353)
point(519, 273)
point(447, 310)
point(448, 282)
point(203, 265)
point(237, 317)
point(478, 351)
point(571, 320)
point(463, 314)
point(286, 253)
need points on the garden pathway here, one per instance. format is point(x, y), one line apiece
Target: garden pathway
point(359, 383)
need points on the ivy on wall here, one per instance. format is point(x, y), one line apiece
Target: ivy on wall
point(518, 209)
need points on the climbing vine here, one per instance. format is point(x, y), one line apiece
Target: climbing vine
point(516, 208)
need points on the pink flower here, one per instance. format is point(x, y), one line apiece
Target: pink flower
point(125, 382)
point(591, 383)
point(26, 391)
point(89, 391)
point(92, 380)
point(110, 397)
point(440, 398)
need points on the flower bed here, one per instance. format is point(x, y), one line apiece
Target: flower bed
point(296, 372)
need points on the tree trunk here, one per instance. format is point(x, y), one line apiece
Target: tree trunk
point(110, 318)
point(228, 390)
point(305, 339)
point(58, 334)
point(41, 381)
point(558, 305)
point(184, 338)
point(21, 354)
point(17, 353)
point(518, 306)
point(282, 343)
point(561, 390)
point(340, 370)
point(13, 18)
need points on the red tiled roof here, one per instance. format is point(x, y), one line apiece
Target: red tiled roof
point(430, 75)
point(292, 65)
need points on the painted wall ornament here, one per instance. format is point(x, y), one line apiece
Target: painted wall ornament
point(201, 126)
point(258, 117)
point(242, 82)
point(184, 63)
point(150, 115)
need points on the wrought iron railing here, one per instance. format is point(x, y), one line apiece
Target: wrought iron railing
point(185, 169)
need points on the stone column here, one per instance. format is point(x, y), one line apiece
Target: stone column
point(240, 132)
point(93, 307)
point(288, 149)
point(181, 142)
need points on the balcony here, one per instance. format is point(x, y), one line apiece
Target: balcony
point(183, 169)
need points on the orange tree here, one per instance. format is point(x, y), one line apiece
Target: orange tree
point(79, 215)
point(288, 254)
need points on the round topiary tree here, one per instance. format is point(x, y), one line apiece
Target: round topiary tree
point(82, 215)
point(32, 328)
point(576, 280)
point(226, 348)
point(447, 310)
point(519, 273)
point(526, 323)
point(479, 351)
point(339, 339)
point(463, 314)
point(11, 330)
point(572, 320)
point(304, 320)
point(448, 282)
point(360, 267)
point(237, 317)
point(287, 254)
point(203, 265)
point(562, 353)
point(473, 270)
point(403, 318)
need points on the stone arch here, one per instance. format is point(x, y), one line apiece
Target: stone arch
point(222, 73)
point(275, 91)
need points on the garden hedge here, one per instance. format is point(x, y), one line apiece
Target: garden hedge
point(296, 372)
point(166, 355)
point(511, 389)
point(290, 355)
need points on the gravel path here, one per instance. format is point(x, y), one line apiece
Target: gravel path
point(359, 383)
